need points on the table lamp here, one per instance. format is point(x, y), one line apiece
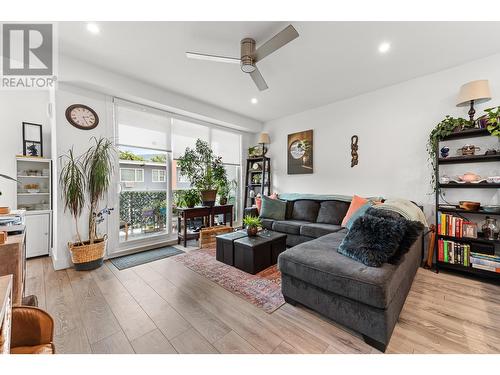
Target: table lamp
point(472, 93)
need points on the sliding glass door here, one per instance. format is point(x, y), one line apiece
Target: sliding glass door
point(144, 186)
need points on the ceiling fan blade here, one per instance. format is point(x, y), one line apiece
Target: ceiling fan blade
point(203, 56)
point(259, 80)
point(276, 42)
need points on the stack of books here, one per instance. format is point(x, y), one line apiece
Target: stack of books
point(454, 252)
point(449, 225)
point(485, 262)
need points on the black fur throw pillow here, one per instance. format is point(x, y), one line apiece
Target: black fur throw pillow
point(413, 230)
point(372, 240)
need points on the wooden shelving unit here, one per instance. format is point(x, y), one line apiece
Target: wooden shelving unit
point(487, 246)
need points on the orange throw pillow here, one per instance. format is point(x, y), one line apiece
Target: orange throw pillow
point(258, 203)
point(356, 204)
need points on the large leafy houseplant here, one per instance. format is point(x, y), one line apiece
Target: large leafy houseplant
point(204, 170)
point(87, 178)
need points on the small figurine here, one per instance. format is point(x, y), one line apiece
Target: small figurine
point(445, 151)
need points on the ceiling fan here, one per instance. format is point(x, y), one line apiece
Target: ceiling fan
point(250, 55)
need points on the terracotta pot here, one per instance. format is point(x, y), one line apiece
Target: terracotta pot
point(222, 201)
point(208, 197)
point(252, 231)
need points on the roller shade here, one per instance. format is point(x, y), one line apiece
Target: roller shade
point(141, 126)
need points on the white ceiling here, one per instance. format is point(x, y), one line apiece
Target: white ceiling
point(329, 61)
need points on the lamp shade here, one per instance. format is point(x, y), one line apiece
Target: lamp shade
point(479, 91)
point(264, 138)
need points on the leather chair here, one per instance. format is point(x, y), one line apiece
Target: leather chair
point(32, 331)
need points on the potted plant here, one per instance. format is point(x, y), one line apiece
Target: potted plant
point(82, 178)
point(252, 223)
point(190, 197)
point(204, 170)
point(225, 189)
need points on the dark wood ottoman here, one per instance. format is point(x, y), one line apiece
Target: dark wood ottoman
point(225, 248)
point(254, 254)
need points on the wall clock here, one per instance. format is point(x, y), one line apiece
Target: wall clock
point(82, 116)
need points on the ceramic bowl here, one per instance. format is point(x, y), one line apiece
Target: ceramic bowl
point(469, 177)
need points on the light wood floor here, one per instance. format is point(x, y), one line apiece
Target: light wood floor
point(164, 307)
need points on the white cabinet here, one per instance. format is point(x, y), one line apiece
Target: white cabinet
point(37, 234)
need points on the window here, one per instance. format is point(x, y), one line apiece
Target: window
point(185, 134)
point(131, 175)
point(159, 175)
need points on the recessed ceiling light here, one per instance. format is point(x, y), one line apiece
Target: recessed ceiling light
point(254, 100)
point(93, 28)
point(384, 47)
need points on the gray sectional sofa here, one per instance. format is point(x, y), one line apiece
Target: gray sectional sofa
point(307, 219)
point(365, 299)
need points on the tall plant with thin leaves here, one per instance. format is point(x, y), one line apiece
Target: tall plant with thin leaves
point(88, 174)
point(72, 181)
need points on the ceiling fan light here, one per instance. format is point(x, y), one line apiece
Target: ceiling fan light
point(247, 68)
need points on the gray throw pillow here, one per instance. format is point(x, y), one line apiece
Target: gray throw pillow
point(273, 208)
point(372, 240)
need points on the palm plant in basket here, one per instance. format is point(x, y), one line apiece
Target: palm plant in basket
point(82, 178)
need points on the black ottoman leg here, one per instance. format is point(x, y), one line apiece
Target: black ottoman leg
point(374, 343)
point(290, 301)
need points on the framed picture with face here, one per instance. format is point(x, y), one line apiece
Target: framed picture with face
point(32, 140)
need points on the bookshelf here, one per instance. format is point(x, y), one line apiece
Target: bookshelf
point(259, 167)
point(479, 250)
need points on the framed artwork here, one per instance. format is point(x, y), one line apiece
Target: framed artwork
point(300, 152)
point(32, 140)
point(469, 229)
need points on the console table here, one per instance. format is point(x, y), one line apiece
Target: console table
point(208, 213)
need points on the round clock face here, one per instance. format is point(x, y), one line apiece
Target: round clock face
point(82, 117)
point(297, 150)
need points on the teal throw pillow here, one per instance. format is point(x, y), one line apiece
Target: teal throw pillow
point(273, 208)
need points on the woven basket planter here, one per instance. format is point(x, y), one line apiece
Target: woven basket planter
point(86, 256)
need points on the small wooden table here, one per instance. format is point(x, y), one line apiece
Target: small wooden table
point(208, 213)
point(13, 262)
point(5, 313)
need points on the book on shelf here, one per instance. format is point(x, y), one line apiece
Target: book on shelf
point(454, 252)
point(485, 262)
point(452, 226)
point(486, 268)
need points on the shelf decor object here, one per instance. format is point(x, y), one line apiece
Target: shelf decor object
point(459, 246)
point(258, 178)
point(473, 92)
point(32, 140)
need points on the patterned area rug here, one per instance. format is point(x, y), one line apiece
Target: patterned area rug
point(262, 290)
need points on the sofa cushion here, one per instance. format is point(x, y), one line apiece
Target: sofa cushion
point(289, 226)
point(372, 240)
point(332, 212)
point(356, 203)
point(305, 210)
point(316, 230)
point(317, 262)
point(358, 213)
point(273, 208)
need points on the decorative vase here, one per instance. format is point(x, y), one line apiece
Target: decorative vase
point(208, 197)
point(252, 231)
point(445, 150)
point(490, 228)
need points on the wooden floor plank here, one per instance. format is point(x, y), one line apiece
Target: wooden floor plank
point(61, 304)
point(166, 318)
point(233, 343)
point(285, 348)
point(131, 317)
point(117, 343)
point(153, 342)
point(34, 283)
point(192, 342)
point(98, 319)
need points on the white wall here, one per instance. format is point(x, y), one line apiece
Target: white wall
point(16, 107)
point(393, 125)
